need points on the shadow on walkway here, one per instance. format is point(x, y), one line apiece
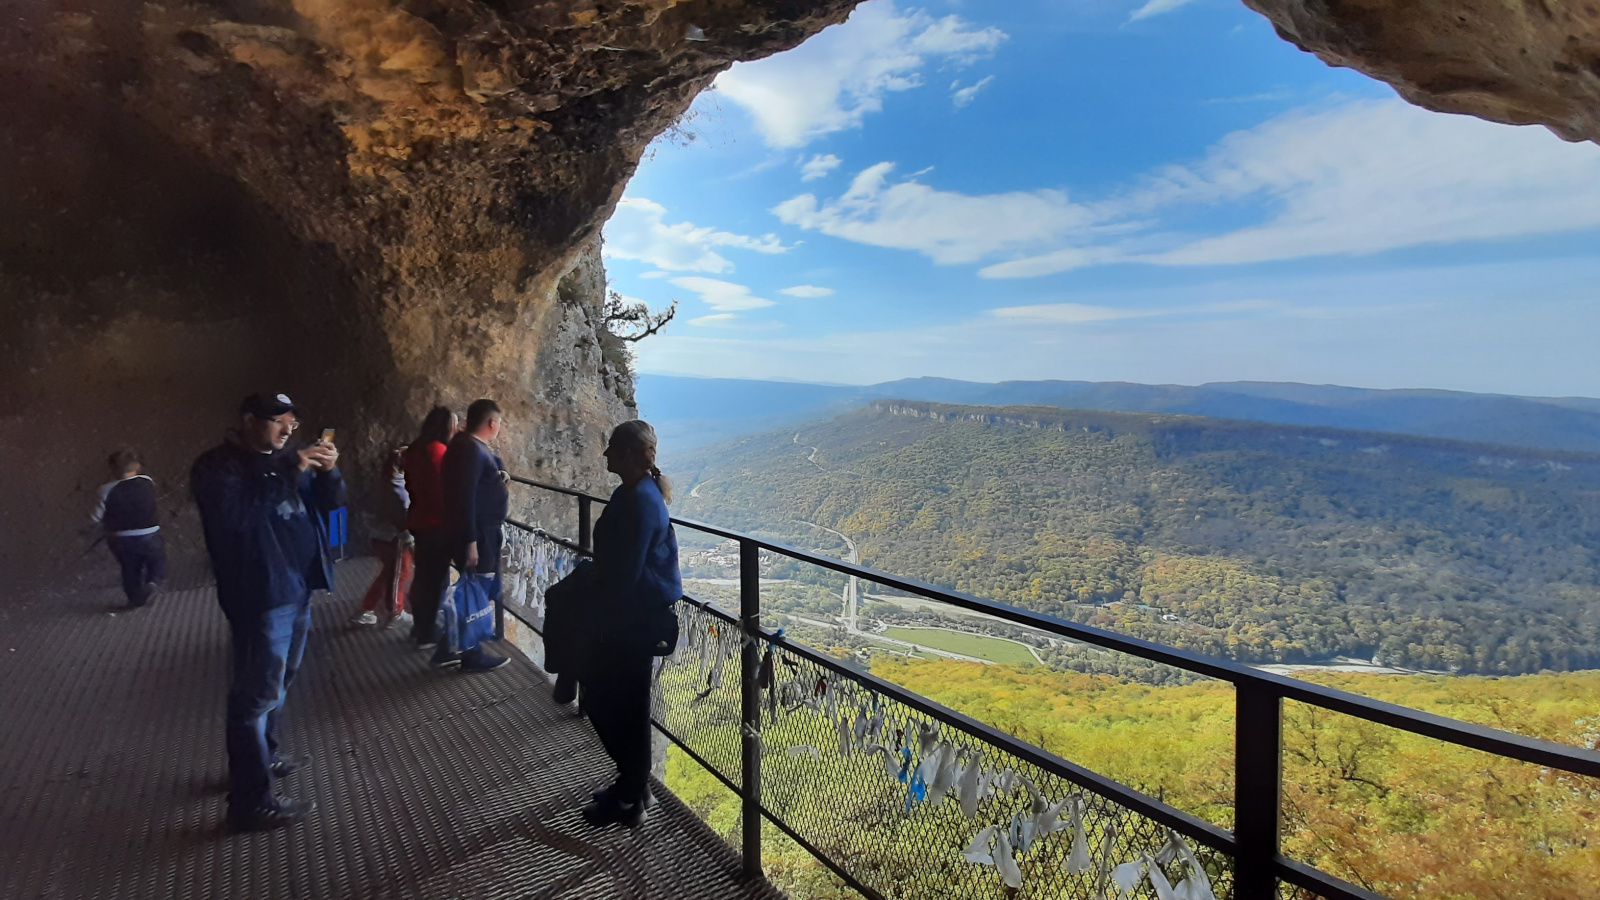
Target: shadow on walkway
point(429, 785)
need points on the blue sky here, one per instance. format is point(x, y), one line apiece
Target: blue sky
point(1157, 191)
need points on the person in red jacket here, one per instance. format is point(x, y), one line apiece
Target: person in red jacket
point(384, 603)
point(426, 521)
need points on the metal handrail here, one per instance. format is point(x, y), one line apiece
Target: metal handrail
point(1254, 843)
point(1467, 734)
point(1149, 807)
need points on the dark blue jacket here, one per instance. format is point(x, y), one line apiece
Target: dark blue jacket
point(476, 499)
point(263, 521)
point(636, 554)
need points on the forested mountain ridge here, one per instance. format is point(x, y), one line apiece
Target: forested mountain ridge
point(1240, 539)
point(695, 411)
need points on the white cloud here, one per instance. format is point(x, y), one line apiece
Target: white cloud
point(1086, 313)
point(1360, 178)
point(1054, 261)
point(962, 97)
point(819, 166)
point(1156, 8)
point(945, 226)
point(834, 80)
point(1069, 313)
point(638, 231)
point(654, 273)
point(807, 291)
point(722, 296)
point(1446, 327)
point(713, 319)
point(1371, 176)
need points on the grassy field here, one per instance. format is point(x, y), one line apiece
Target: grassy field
point(992, 649)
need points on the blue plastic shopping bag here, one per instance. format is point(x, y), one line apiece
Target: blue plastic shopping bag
point(466, 619)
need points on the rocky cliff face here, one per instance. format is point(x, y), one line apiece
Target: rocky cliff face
point(375, 206)
point(379, 205)
point(1521, 62)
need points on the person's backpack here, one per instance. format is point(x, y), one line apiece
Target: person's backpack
point(567, 629)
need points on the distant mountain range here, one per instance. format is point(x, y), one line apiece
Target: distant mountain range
point(1263, 542)
point(691, 412)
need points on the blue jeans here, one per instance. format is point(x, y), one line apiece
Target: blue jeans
point(267, 647)
point(143, 561)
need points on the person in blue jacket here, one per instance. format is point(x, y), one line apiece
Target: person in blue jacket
point(262, 507)
point(476, 502)
point(635, 589)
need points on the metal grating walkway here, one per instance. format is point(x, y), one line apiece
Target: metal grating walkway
point(429, 785)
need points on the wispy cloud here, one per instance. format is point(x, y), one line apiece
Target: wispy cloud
point(722, 296)
point(1070, 313)
point(819, 166)
point(962, 97)
point(1359, 178)
point(1259, 97)
point(638, 231)
point(1445, 327)
point(1156, 8)
point(807, 291)
point(833, 81)
point(945, 226)
point(1086, 313)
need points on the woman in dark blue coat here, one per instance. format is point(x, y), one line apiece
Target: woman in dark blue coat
point(636, 586)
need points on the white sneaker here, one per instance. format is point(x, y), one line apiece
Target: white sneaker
point(366, 618)
point(402, 619)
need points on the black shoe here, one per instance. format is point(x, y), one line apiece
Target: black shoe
point(475, 660)
point(284, 766)
point(604, 795)
point(565, 691)
point(282, 812)
point(607, 811)
point(443, 658)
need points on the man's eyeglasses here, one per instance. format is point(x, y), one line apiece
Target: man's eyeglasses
point(292, 424)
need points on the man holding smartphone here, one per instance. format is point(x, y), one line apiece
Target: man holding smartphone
point(262, 505)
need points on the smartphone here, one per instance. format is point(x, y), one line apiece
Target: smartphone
point(327, 436)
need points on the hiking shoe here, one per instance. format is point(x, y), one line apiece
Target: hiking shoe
point(443, 659)
point(365, 618)
point(283, 811)
point(607, 811)
point(475, 660)
point(284, 766)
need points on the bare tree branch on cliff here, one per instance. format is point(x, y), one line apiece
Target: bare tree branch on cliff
point(632, 320)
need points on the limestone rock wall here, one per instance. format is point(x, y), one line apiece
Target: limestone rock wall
point(375, 205)
point(1521, 62)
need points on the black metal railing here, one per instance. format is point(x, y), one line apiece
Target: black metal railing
point(809, 699)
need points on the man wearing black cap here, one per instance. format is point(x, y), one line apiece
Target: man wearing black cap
point(262, 505)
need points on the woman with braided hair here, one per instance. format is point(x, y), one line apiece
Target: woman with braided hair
point(636, 586)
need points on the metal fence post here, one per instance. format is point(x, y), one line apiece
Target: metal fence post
point(750, 704)
point(585, 526)
point(1257, 789)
